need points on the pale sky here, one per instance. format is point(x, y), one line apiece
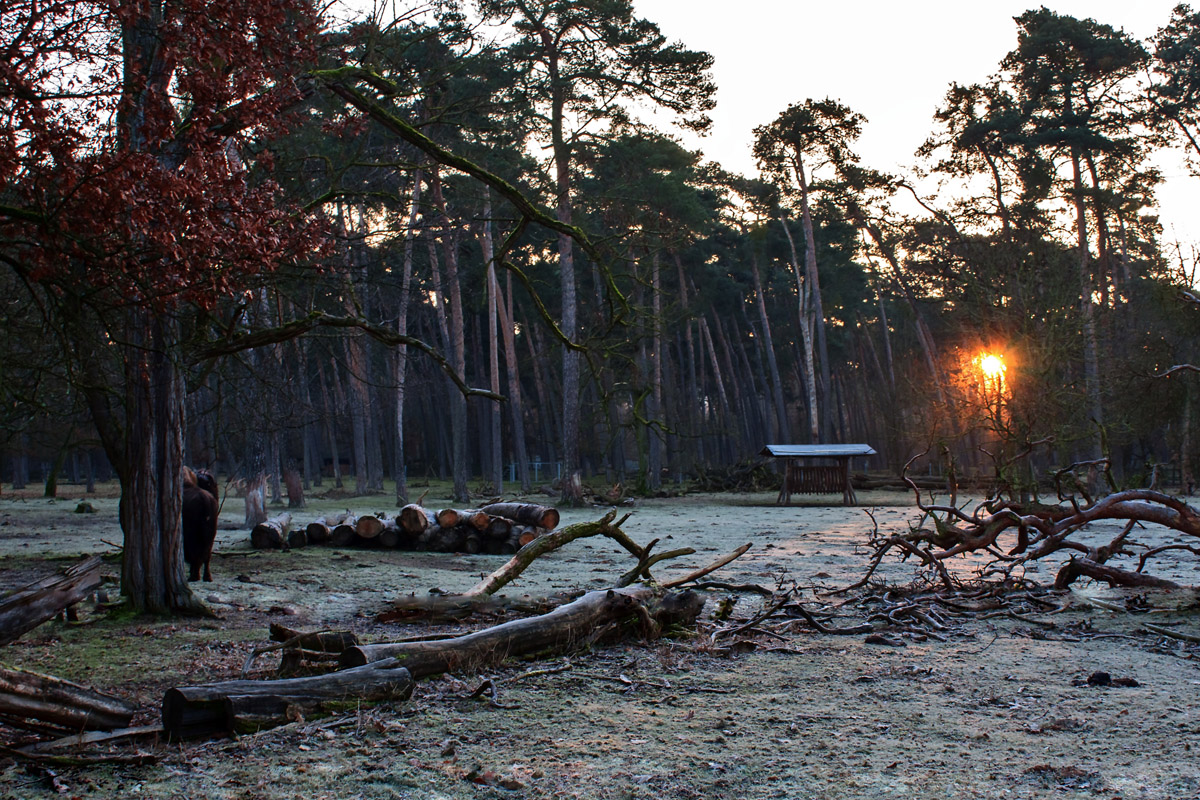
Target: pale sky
point(890, 61)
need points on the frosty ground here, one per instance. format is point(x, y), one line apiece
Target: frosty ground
point(999, 709)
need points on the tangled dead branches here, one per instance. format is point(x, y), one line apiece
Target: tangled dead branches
point(1012, 533)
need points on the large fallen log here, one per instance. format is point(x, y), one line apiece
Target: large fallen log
point(525, 513)
point(25, 608)
point(565, 628)
point(436, 608)
point(272, 533)
point(248, 706)
point(31, 696)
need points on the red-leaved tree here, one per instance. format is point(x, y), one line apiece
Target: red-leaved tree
point(133, 168)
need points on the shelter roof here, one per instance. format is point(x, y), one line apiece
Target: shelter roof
point(817, 450)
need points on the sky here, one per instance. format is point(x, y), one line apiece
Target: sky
point(891, 61)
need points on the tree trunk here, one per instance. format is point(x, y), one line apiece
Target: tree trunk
point(566, 267)
point(692, 389)
point(451, 319)
point(804, 291)
point(515, 403)
point(401, 359)
point(816, 307)
point(760, 303)
point(1091, 348)
point(657, 445)
point(152, 574)
point(494, 417)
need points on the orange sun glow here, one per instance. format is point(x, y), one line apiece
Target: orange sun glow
point(992, 366)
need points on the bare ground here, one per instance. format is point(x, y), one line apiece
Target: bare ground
point(1001, 708)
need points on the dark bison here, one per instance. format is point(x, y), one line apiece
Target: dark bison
point(199, 521)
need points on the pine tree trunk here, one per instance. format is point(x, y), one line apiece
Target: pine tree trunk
point(515, 403)
point(401, 360)
point(494, 417)
point(451, 307)
point(816, 308)
point(1091, 348)
point(656, 377)
point(804, 291)
point(784, 430)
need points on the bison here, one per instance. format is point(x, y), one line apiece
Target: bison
point(199, 521)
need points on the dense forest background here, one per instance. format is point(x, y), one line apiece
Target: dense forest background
point(659, 317)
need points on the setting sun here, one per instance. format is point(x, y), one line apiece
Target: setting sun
point(992, 366)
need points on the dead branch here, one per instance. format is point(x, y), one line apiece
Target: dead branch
point(713, 567)
point(1085, 567)
point(542, 545)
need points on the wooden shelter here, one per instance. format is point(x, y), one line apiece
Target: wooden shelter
point(802, 477)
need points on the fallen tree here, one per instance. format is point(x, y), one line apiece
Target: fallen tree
point(1015, 532)
point(578, 624)
point(25, 608)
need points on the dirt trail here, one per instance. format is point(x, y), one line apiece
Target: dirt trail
point(994, 711)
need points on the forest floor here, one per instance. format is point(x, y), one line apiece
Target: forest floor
point(1001, 708)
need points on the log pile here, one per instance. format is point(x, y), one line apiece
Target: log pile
point(496, 529)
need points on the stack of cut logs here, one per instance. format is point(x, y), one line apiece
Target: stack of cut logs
point(497, 529)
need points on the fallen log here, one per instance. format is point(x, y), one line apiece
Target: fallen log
point(524, 534)
point(435, 608)
point(25, 608)
point(246, 706)
point(415, 519)
point(567, 627)
point(298, 537)
point(526, 514)
point(320, 530)
point(66, 705)
point(443, 540)
point(500, 528)
point(450, 518)
point(343, 534)
point(393, 536)
point(272, 533)
point(95, 737)
point(369, 526)
point(320, 642)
